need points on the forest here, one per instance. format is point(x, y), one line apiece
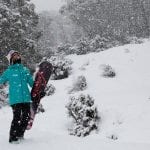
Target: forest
point(80, 27)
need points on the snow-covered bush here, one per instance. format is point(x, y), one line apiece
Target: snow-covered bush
point(3, 97)
point(66, 49)
point(40, 108)
point(79, 84)
point(61, 67)
point(135, 40)
point(49, 90)
point(83, 46)
point(113, 137)
point(84, 114)
point(86, 45)
point(98, 43)
point(108, 71)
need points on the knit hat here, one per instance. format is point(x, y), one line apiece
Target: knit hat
point(10, 54)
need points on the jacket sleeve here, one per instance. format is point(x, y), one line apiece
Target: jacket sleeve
point(4, 77)
point(29, 78)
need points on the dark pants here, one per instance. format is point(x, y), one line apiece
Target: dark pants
point(21, 116)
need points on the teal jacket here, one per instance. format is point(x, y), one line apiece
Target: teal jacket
point(18, 78)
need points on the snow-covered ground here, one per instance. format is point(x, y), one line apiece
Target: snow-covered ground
point(123, 103)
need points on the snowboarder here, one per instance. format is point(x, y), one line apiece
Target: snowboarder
point(18, 78)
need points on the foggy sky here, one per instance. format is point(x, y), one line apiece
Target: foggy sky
point(47, 4)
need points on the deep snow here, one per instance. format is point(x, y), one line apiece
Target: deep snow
point(123, 103)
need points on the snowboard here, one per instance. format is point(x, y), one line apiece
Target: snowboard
point(38, 90)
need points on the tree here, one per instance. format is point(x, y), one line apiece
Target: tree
point(18, 22)
point(139, 7)
point(57, 30)
point(47, 40)
point(117, 19)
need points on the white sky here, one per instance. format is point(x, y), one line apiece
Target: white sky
point(47, 4)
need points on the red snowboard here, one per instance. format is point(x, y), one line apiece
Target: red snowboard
point(38, 90)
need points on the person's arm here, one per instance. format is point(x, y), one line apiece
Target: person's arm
point(4, 77)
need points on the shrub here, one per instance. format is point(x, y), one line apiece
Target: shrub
point(49, 90)
point(66, 49)
point(135, 40)
point(79, 85)
point(83, 46)
point(40, 108)
point(3, 96)
point(98, 43)
point(61, 67)
point(84, 114)
point(108, 71)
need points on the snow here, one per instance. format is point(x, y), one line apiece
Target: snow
point(123, 103)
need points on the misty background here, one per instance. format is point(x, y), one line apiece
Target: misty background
point(48, 5)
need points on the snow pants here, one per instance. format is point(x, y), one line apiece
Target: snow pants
point(21, 116)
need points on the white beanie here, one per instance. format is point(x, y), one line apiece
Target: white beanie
point(11, 52)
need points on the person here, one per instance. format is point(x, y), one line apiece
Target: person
point(18, 78)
